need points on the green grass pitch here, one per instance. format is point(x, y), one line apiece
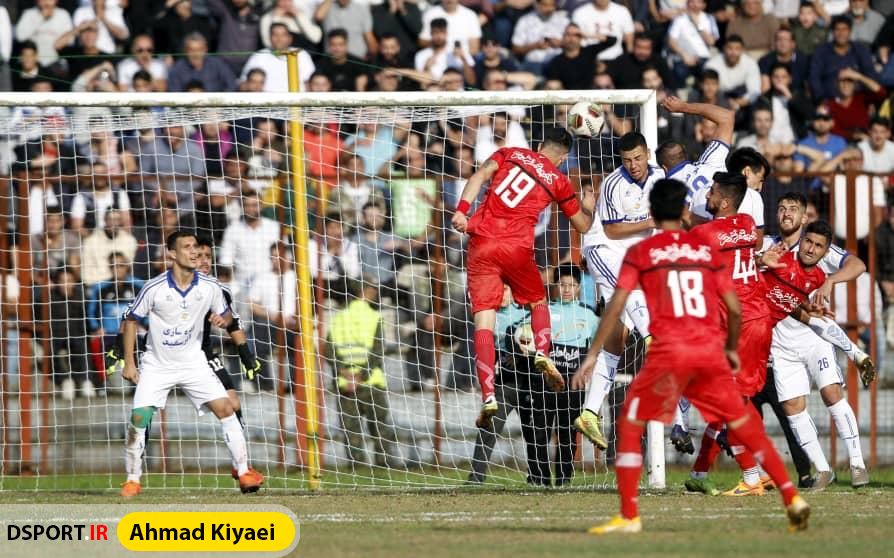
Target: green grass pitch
point(508, 520)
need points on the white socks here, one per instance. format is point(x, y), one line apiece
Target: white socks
point(805, 432)
point(133, 452)
point(235, 439)
point(602, 380)
point(681, 414)
point(638, 312)
point(848, 431)
point(832, 332)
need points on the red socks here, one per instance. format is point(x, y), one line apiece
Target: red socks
point(629, 465)
point(752, 436)
point(485, 357)
point(709, 448)
point(540, 324)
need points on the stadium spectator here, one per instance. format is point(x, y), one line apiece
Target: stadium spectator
point(275, 66)
point(821, 138)
point(321, 149)
point(151, 258)
point(68, 334)
point(94, 198)
point(790, 107)
point(440, 55)
point(755, 27)
point(216, 140)
point(253, 82)
point(178, 22)
point(866, 22)
point(400, 20)
point(142, 82)
point(354, 17)
point(335, 258)
point(840, 53)
point(175, 160)
point(57, 247)
point(143, 48)
point(101, 243)
point(491, 58)
point(354, 350)
point(104, 147)
point(44, 24)
point(602, 19)
point(537, 36)
point(246, 243)
point(500, 132)
point(670, 125)
point(575, 66)
point(692, 36)
point(297, 18)
point(392, 53)
point(807, 31)
point(50, 153)
point(784, 52)
point(760, 139)
point(237, 30)
point(211, 72)
point(345, 71)
point(375, 143)
point(82, 54)
point(738, 74)
point(354, 190)
point(463, 26)
point(273, 298)
point(850, 108)
point(877, 147)
point(27, 69)
point(108, 19)
point(268, 150)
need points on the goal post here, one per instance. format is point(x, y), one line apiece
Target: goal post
point(431, 425)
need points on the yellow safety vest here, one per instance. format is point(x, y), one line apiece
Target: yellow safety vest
point(353, 334)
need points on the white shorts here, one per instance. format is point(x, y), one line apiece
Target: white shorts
point(794, 369)
point(200, 384)
point(604, 265)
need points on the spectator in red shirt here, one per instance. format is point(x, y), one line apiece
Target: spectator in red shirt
point(850, 108)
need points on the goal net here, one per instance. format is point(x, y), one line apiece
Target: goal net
point(326, 213)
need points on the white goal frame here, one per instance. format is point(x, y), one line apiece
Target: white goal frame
point(645, 98)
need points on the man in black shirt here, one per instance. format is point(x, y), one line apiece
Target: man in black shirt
point(575, 66)
point(400, 19)
point(346, 72)
point(627, 69)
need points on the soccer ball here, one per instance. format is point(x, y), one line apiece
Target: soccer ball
point(585, 119)
point(524, 339)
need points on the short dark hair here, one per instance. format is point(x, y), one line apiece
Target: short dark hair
point(735, 38)
point(560, 137)
point(841, 19)
point(141, 75)
point(668, 199)
point(798, 197)
point(777, 65)
point(194, 84)
point(568, 270)
point(643, 36)
point(670, 154)
point(337, 32)
point(54, 210)
point(807, 4)
point(203, 240)
point(632, 140)
point(438, 23)
point(112, 255)
point(747, 157)
point(731, 186)
point(171, 241)
point(709, 73)
point(278, 24)
point(821, 228)
point(880, 121)
point(255, 71)
point(28, 44)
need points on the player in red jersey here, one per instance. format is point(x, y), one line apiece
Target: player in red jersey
point(684, 282)
point(501, 249)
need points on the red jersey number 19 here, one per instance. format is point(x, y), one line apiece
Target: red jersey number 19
point(687, 293)
point(513, 189)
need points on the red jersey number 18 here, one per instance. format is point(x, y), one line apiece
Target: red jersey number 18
point(687, 295)
point(513, 189)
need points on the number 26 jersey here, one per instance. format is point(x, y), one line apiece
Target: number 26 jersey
point(526, 182)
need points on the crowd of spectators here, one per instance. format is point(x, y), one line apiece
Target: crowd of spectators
point(810, 83)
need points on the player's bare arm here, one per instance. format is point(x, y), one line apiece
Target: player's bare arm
point(620, 231)
point(470, 193)
point(853, 267)
point(769, 258)
point(583, 219)
point(724, 118)
point(610, 316)
point(130, 371)
point(733, 327)
point(220, 321)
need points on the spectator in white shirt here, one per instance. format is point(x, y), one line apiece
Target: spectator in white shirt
point(44, 24)
point(335, 257)
point(109, 19)
point(143, 47)
point(538, 35)
point(463, 25)
point(604, 18)
point(436, 58)
point(95, 198)
point(297, 15)
point(246, 243)
point(740, 76)
point(273, 298)
point(692, 36)
point(275, 66)
point(878, 149)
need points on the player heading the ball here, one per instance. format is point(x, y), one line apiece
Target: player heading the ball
point(501, 249)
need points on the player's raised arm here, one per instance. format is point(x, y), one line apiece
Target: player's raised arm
point(853, 267)
point(470, 193)
point(583, 219)
point(724, 118)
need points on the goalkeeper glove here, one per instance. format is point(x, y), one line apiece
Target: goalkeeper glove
point(250, 363)
point(114, 360)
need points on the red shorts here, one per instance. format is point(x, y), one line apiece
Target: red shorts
point(492, 264)
point(674, 368)
point(754, 351)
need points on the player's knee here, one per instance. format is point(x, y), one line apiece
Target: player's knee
point(234, 400)
point(831, 394)
point(222, 408)
point(794, 405)
point(141, 417)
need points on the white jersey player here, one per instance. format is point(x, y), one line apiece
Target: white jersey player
point(799, 357)
point(176, 304)
point(623, 220)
